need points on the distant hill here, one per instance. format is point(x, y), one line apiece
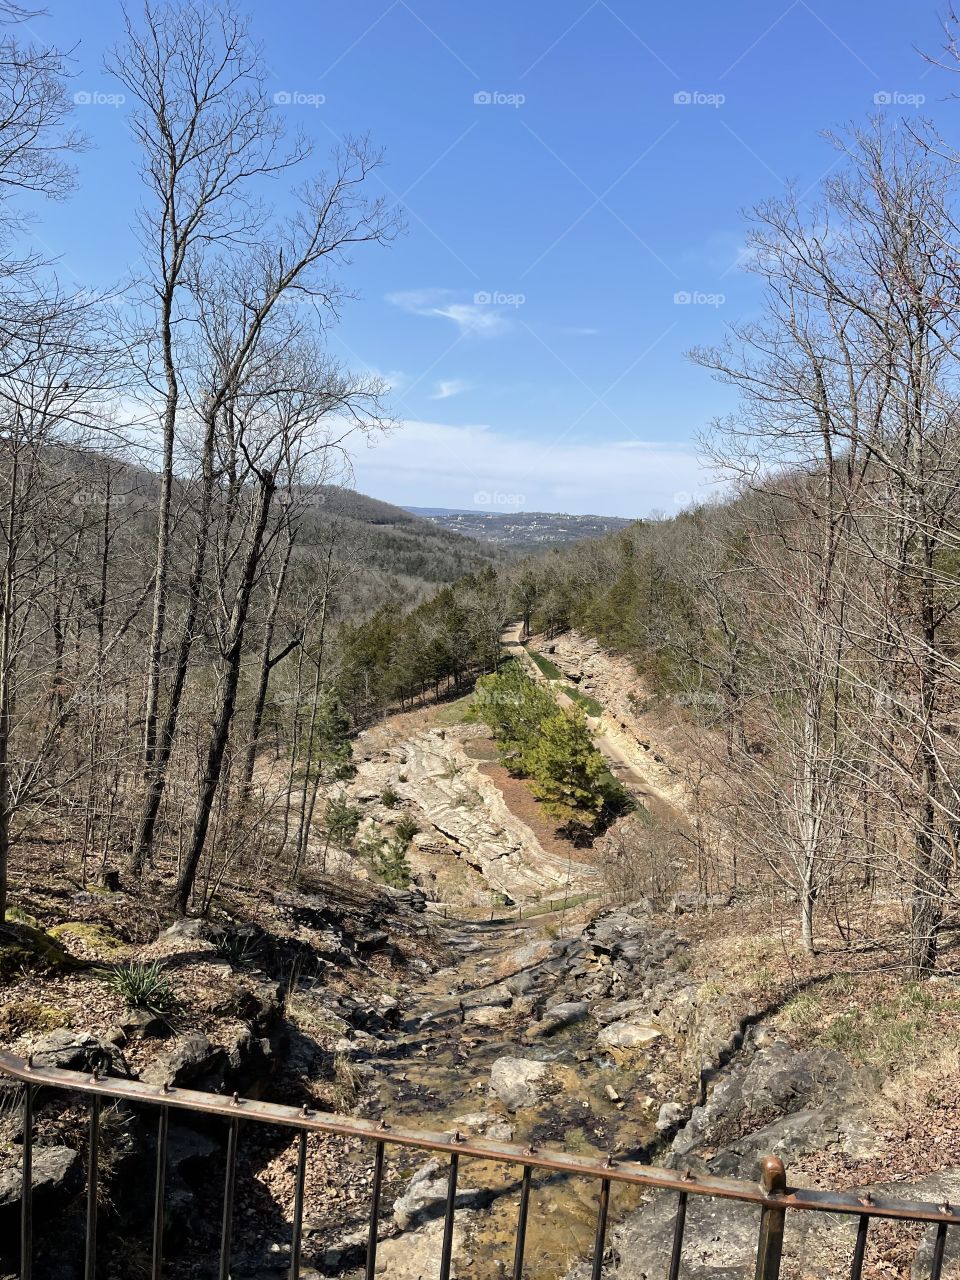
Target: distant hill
point(520, 530)
point(398, 554)
point(394, 556)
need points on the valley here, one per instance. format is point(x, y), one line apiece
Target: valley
point(435, 893)
point(504, 994)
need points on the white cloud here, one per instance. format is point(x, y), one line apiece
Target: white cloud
point(473, 319)
point(434, 464)
point(452, 387)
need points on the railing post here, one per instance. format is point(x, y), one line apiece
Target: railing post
point(26, 1195)
point(773, 1179)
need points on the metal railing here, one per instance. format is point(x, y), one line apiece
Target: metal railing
point(771, 1195)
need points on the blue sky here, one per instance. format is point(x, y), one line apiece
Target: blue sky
point(559, 195)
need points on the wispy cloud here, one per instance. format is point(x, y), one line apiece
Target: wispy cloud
point(452, 387)
point(473, 319)
point(435, 464)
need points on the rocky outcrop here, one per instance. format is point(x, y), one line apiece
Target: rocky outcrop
point(426, 1196)
point(462, 812)
point(774, 1100)
point(78, 1051)
point(57, 1173)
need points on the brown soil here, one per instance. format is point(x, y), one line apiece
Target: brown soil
point(521, 802)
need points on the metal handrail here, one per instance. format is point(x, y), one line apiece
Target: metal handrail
point(771, 1193)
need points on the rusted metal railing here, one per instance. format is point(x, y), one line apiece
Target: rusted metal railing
point(771, 1195)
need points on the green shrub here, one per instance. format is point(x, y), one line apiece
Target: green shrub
point(392, 866)
point(406, 829)
point(144, 986)
point(551, 746)
point(239, 949)
point(389, 798)
point(341, 820)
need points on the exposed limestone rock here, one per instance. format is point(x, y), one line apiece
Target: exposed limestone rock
point(78, 1051)
point(193, 1057)
point(623, 1037)
point(557, 1017)
point(56, 1171)
point(817, 1100)
point(455, 801)
point(426, 1196)
point(518, 1082)
point(486, 1015)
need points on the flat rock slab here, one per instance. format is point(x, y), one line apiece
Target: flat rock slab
point(558, 1017)
point(426, 1196)
point(518, 1082)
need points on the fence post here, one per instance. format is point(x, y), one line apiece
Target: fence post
point(773, 1179)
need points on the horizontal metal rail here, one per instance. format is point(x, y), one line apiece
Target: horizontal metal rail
point(480, 1148)
point(770, 1193)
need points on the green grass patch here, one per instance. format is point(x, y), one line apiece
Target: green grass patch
point(450, 714)
point(30, 1017)
point(590, 705)
point(547, 668)
point(94, 935)
point(24, 948)
point(907, 1025)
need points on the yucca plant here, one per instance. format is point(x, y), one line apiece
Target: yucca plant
point(237, 948)
point(144, 986)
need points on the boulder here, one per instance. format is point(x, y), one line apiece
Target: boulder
point(620, 1010)
point(78, 1051)
point(426, 1196)
point(187, 928)
point(669, 1117)
point(631, 1035)
point(557, 1017)
point(486, 1015)
point(518, 1082)
point(55, 1171)
point(140, 1022)
point(372, 940)
point(487, 997)
point(193, 1057)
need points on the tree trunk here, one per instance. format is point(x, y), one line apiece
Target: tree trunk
point(221, 731)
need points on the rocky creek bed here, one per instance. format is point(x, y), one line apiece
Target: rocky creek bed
point(591, 1033)
point(597, 1042)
